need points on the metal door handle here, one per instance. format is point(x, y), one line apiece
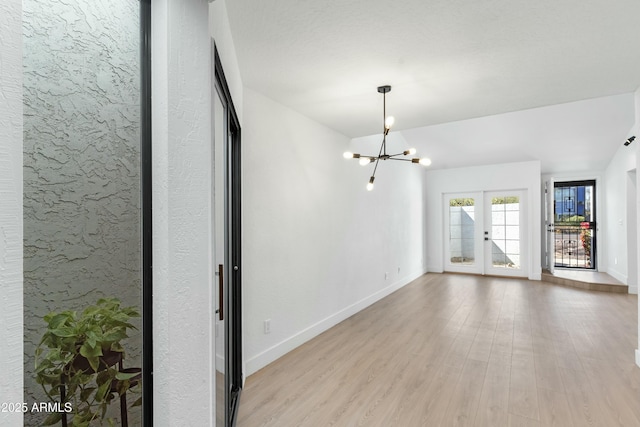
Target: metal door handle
point(221, 291)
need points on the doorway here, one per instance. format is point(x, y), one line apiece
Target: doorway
point(226, 250)
point(485, 233)
point(573, 225)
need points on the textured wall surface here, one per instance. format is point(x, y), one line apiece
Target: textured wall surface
point(10, 208)
point(81, 162)
point(183, 345)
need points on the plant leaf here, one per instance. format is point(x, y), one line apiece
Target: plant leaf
point(126, 375)
point(84, 394)
point(60, 319)
point(102, 391)
point(92, 354)
point(52, 419)
point(64, 331)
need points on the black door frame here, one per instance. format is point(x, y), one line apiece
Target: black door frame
point(233, 256)
point(590, 225)
point(146, 212)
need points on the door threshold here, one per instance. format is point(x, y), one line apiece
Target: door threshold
point(589, 280)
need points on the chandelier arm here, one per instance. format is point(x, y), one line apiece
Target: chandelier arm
point(399, 154)
point(377, 160)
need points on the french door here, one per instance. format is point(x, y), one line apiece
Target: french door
point(485, 233)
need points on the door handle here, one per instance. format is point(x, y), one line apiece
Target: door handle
point(221, 291)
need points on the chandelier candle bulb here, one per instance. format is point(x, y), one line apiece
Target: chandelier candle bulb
point(388, 122)
point(370, 184)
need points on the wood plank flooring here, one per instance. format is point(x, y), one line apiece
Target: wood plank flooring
point(457, 350)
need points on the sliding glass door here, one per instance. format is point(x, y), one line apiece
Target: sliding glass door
point(227, 250)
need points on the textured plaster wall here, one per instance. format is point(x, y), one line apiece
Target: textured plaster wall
point(182, 274)
point(81, 163)
point(10, 208)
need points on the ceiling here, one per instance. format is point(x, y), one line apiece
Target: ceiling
point(446, 60)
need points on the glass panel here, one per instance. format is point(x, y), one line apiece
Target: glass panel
point(219, 224)
point(462, 231)
point(82, 208)
point(505, 232)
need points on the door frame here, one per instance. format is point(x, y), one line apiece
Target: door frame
point(232, 301)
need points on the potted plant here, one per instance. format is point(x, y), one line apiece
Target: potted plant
point(79, 361)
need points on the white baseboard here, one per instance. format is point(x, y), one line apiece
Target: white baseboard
point(633, 290)
point(273, 353)
point(220, 365)
point(638, 358)
point(435, 269)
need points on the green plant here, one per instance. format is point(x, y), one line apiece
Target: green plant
point(78, 360)
point(585, 238)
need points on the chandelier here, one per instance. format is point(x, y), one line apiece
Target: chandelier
point(382, 154)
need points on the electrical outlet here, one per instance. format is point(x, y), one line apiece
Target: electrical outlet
point(398, 270)
point(267, 326)
point(386, 275)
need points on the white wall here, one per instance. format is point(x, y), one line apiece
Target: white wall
point(614, 226)
point(523, 175)
point(221, 34)
point(317, 245)
point(182, 301)
point(11, 208)
point(637, 260)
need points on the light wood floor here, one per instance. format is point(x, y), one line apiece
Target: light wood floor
point(456, 350)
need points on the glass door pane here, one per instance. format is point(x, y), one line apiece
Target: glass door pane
point(504, 246)
point(219, 225)
point(505, 232)
point(462, 235)
point(86, 190)
point(461, 231)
